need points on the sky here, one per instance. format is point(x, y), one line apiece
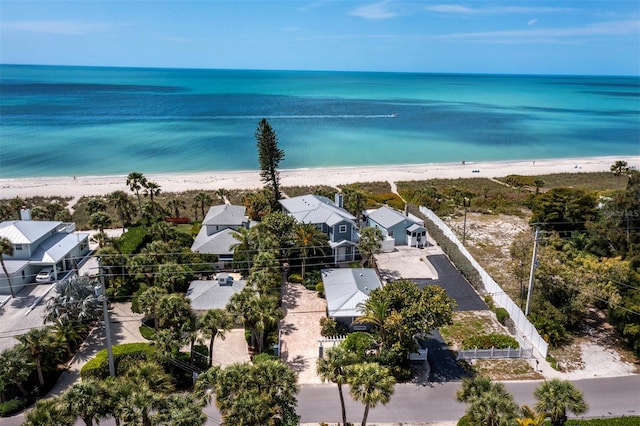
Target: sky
point(576, 37)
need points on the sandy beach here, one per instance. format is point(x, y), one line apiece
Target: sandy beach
point(70, 186)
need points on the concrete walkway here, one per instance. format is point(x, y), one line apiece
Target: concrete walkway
point(301, 330)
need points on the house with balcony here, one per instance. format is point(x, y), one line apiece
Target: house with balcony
point(331, 218)
point(39, 245)
point(216, 234)
point(397, 228)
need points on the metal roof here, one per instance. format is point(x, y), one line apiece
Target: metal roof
point(207, 295)
point(27, 231)
point(226, 214)
point(57, 247)
point(386, 216)
point(217, 243)
point(347, 288)
point(315, 209)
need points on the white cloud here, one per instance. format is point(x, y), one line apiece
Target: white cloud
point(611, 28)
point(531, 22)
point(72, 28)
point(373, 11)
point(491, 10)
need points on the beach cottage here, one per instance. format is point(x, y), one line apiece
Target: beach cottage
point(345, 289)
point(397, 228)
point(50, 247)
point(216, 234)
point(331, 218)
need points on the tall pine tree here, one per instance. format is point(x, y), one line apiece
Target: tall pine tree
point(269, 156)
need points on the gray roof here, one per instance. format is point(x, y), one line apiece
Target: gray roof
point(316, 209)
point(387, 217)
point(207, 295)
point(226, 214)
point(27, 231)
point(217, 243)
point(416, 227)
point(57, 247)
point(346, 288)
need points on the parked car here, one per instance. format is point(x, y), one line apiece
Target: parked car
point(45, 275)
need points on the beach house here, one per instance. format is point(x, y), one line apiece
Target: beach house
point(216, 234)
point(345, 290)
point(331, 218)
point(397, 228)
point(49, 246)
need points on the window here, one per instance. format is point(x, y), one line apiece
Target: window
point(342, 229)
point(18, 247)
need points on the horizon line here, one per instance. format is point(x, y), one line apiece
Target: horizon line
point(323, 70)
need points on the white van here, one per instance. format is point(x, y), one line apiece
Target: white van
point(45, 275)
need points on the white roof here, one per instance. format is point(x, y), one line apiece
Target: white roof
point(27, 231)
point(226, 214)
point(388, 217)
point(57, 247)
point(316, 209)
point(205, 295)
point(217, 243)
point(346, 288)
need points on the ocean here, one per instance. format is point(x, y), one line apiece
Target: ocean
point(64, 121)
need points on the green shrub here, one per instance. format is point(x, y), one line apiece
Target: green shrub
point(330, 327)
point(133, 240)
point(519, 181)
point(295, 278)
point(12, 406)
point(320, 289)
point(489, 301)
point(502, 315)
point(257, 359)
point(201, 356)
point(465, 421)
point(488, 341)
point(98, 366)
point(146, 332)
point(311, 279)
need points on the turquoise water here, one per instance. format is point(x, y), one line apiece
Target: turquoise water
point(58, 121)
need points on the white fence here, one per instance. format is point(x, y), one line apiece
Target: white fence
point(526, 330)
point(495, 353)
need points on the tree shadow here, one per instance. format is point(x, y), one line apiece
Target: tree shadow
point(298, 364)
point(290, 295)
point(288, 328)
point(442, 360)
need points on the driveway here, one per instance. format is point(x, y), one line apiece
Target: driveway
point(455, 284)
point(301, 330)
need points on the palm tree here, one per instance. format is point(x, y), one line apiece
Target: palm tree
point(375, 312)
point(370, 383)
point(308, 239)
point(216, 322)
point(530, 417)
point(120, 201)
point(148, 303)
point(202, 199)
point(176, 204)
point(39, 341)
point(492, 409)
point(69, 331)
point(179, 410)
point(619, 168)
point(242, 250)
point(150, 374)
point(99, 221)
point(474, 387)
point(556, 397)
point(75, 300)
point(369, 244)
point(151, 190)
point(136, 181)
point(95, 205)
point(85, 400)
point(48, 412)
point(15, 367)
point(333, 368)
point(6, 249)
point(222, 194)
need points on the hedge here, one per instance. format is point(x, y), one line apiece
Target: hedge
point(98, 367)
point(12, 406)
point(502, 314)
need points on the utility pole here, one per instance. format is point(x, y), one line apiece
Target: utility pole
point(107, 325)
point(534, 264)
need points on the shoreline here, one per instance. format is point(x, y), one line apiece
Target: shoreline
point(70, 186)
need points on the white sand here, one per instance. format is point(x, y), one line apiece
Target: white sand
point(100, 185)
